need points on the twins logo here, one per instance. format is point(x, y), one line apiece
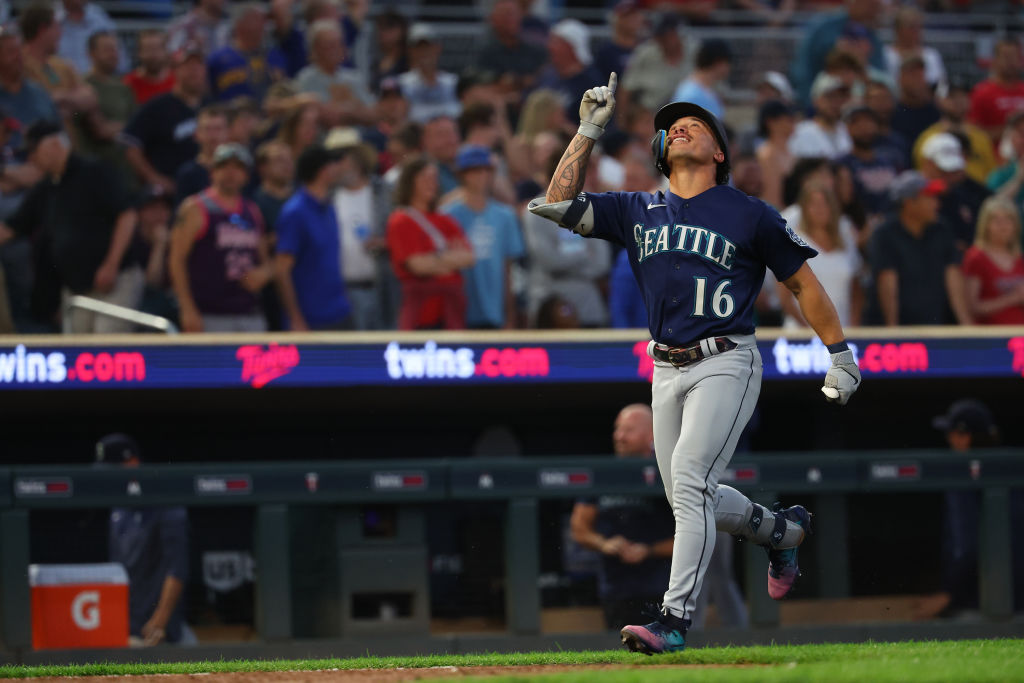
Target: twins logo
point(261, 365)
point(1016, 347)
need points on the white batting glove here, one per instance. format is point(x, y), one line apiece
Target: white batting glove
point(597, 107)
point(842, 379)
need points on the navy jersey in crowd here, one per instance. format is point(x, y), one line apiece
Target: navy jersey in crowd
point(700, 261)
point(225, 250)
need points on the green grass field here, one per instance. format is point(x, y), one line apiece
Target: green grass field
point(969, 660)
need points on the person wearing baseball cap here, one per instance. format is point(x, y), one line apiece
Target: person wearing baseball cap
point(362, 202)
point(430, 91)
point(954, 100)
point(571, 71)
point(773, 85)
point(151, 543)
point(967, 425)
point(824, 135)
point(873, 163)
point(943, 158)
point(914, 261)
point(494, 231)
point(218, 259)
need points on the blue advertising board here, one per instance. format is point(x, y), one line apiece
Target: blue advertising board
point(406, 361)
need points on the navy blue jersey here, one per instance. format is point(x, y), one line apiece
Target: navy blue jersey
point(700, 261)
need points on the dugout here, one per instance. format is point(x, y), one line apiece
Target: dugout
point(383, 418)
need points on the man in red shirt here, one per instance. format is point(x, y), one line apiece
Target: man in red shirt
point(153, 76)
point(1002, 93)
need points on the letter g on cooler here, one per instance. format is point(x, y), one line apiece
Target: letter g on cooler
point(85, 610)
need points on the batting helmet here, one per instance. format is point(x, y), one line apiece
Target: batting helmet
point(671, 113)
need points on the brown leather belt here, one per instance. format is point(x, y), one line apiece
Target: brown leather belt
point(681, 356)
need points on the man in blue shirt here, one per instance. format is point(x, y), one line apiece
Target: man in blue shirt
point(308, 258)
point(493, 230)
point(714, 61)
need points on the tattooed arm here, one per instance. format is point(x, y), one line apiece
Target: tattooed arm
point(560, 203)
point(567, 181)
point(595, 111)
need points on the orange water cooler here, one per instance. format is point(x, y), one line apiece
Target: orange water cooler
point(79, 606)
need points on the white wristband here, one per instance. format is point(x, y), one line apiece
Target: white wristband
point(590, 130)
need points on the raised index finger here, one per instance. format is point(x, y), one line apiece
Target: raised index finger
point(613, 81)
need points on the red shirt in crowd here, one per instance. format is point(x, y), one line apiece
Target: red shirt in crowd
point(406, 238)
point(991, 103)
point(145, 88)
point(995, 282)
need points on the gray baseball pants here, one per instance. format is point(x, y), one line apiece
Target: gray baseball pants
point(699, 412)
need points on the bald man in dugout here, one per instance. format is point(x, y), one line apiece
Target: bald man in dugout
point(639, 561)
point(633, 535)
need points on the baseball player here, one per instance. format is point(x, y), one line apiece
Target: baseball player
point(699, 253)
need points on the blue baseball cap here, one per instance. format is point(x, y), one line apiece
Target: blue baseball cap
point(473, 156)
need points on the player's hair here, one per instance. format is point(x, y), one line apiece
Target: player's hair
point(34, 18)
point(835, 212)
point(536, 110)
point(989, 208)
point(95, 38)
point(475, 115)
point(407, 180)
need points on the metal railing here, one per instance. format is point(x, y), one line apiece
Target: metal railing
point(129, 315)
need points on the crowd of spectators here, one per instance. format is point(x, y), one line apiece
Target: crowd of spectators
point(301, 167)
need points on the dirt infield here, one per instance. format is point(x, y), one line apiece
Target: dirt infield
point(385, 675)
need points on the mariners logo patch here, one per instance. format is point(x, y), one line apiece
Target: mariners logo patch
point(795, 237)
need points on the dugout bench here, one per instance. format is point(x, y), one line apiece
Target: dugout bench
point(824, 478)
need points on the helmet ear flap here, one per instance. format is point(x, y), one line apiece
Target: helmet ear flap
point(658, 150)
